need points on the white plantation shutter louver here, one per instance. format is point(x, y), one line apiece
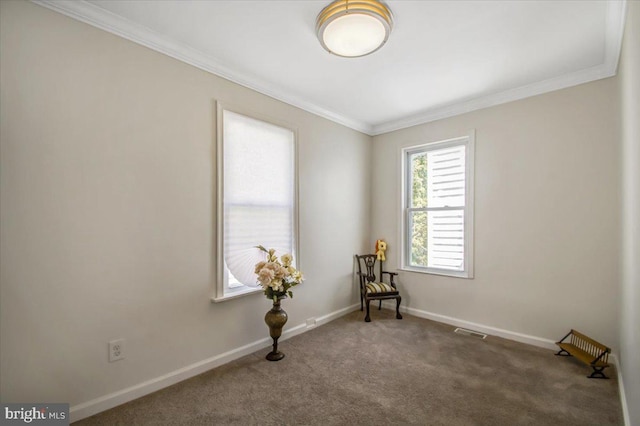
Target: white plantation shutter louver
point(445, 189)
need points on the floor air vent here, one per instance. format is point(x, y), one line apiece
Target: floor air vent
point(470, 333)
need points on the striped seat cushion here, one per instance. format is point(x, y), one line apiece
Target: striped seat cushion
point(380, 288)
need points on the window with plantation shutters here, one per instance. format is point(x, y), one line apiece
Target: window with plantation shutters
point(438, 207)
point(256, 198)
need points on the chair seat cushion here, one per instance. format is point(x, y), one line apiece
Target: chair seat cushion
point(380, 288)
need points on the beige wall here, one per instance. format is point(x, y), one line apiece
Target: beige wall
point(546, 215)
point(107, 201)
point(630, 295)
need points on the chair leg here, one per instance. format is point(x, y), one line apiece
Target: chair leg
point(361, 298)
point(380, 305)
point(367, 318)
point(398, 300)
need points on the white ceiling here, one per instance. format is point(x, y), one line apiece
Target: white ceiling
point(443, 58)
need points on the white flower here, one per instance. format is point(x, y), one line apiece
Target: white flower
point(278, 271)
point(276, 285)
point(286, 259)
point(259, 266)
point(265, 276)
point(272, 255)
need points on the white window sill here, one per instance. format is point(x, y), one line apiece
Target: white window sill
point(443, 272)
point(235, 293)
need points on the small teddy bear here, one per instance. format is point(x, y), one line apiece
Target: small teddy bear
point(381, 247)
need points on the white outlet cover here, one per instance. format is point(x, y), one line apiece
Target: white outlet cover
point(116, 350)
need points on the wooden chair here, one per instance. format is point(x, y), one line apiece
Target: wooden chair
point(372, 289)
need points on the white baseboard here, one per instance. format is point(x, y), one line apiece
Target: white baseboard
point(623, 396)
point(97, 405)
point(333, 315)
point(506, 334)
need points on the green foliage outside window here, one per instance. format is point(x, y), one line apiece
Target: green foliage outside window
point(419, 219)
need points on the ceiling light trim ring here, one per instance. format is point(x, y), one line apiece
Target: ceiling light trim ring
point(340, 8)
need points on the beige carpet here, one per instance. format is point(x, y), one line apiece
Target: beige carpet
point(386, 372)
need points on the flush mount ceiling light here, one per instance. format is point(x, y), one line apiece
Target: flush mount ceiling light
point(353, 28)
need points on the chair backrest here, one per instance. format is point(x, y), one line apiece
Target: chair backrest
point(366, 267)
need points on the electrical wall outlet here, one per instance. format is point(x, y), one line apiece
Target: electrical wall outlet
point(116, 350)
point(311, 322)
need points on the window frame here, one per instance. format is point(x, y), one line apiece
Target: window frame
point(222, 290)
point(467, 140)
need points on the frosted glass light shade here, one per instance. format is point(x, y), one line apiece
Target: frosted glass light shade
point(353, 28)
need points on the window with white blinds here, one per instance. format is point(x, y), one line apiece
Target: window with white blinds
point(257, 202)
point(438, 207)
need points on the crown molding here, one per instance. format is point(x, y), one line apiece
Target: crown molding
point(522, 92)
point(614, 30)
point(115, 24)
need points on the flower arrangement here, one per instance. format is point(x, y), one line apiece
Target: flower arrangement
point(277, 276)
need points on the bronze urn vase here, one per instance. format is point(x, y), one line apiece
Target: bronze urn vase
point(276, 318)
